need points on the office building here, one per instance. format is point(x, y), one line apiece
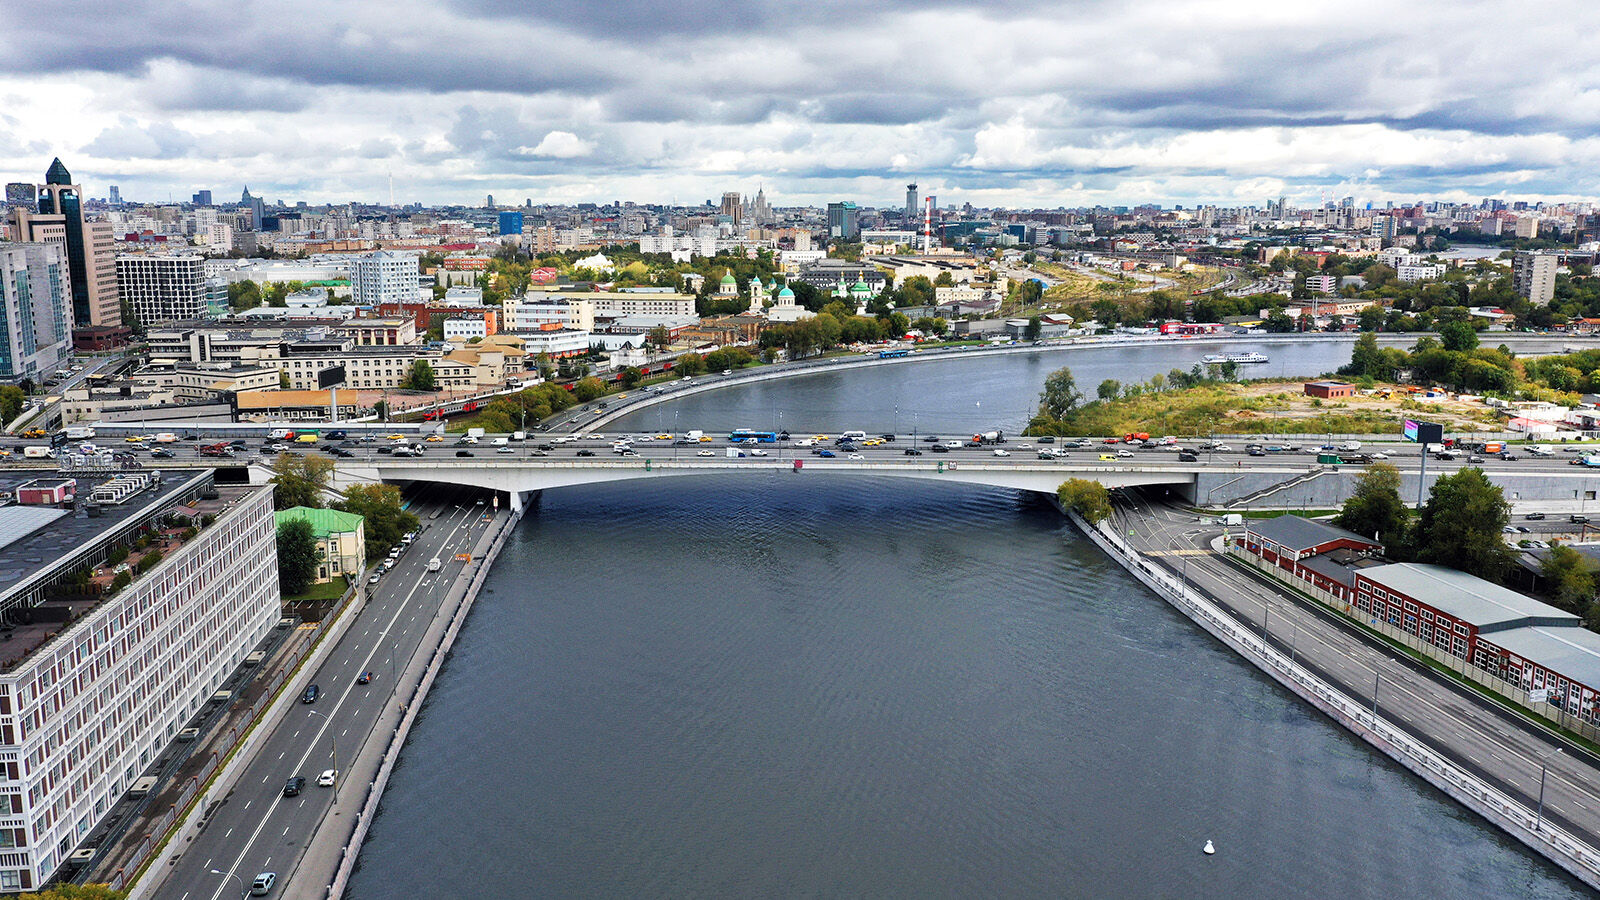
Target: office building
point(99, 680)
point(115, 198)
point(732, 207)
point(844, 221)
point(1533, 275)
point(35, 311)
point(19, 193)
point(253, 207)
point(91, 263)
point(384, 277)
point(202, 198)
point(511, 224)
point(912, 200)
point(161, 289)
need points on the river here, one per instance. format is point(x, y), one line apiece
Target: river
point(780, 686)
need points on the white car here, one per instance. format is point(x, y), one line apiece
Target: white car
point(705, 453)
point(1379, 455)
point(855, 456)
point(328, 777)
point(1024, 446)
point(505, 449)
point(1125, 454)
point(756, 452)
point(999, 452)
point(434, 564)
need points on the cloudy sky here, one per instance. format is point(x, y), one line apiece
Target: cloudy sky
point(1019, 103)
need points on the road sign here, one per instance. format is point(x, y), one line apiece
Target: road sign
point(333, 376)
point(1423, 432)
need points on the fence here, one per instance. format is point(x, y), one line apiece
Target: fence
point(1574, 856)
point(1511, 691)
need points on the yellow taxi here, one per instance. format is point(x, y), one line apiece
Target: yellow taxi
point(433, 439)
point(1108, 456)
point(397, 437)
point(819, 437)
point(871, 442)
point(705, 438)
point(132, 439)
point(663, 437)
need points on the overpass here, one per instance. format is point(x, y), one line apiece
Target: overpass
point(522, 477)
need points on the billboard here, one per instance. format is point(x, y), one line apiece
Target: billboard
point(1424, 432)
point(330, 377)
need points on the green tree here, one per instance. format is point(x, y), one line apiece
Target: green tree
point(631, 376)
point(1371, 318)
point(1031, 332)
point(1458, 336)
point(1060, 396)
point(385, 518)
point(75, 892)
point(300, 480)
point(297, 557)
point(420, 377)
point(1568, 580)
point(944, 280)
point(1461, 524)
point(588, 389)
point(11, 400)
point(1110, 389)
point(380, 408)
point(1278, 322)
point(1089, 499)
point(243, 295)
point(690, 364)
point(1375, 508)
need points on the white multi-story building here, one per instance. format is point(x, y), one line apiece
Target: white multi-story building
point(465, 328)
point(89, 700)
point(1533, 275)
point(526, 315)
point(163, 288)
point(1418, 272)
point(384, 276)
point(36, 302)
point(556, 343)
point(632, 303)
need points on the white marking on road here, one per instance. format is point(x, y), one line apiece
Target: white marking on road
point(225, 836)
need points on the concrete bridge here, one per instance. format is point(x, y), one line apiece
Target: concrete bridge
point(520, 478)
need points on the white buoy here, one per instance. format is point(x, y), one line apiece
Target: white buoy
point(1209, 849)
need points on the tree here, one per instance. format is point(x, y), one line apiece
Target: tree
point(300, 480)
point(1031, 332)
point(420, 377)
point(11, 400)
point(1110, 389)
point(1089, 499)
point(1371, 318)
point(1461, 525)
point(386, 520)
point(944, 280)
point(297, 557)
point(380, 409)
point(588, 389)
point(1458, 336)
point(1568, 580)
point(1278, 322)
point(1060, 396)
point(75, 892)
point(659, 337)
point(243, 295)
point(1375, 508)
point(631, 376)
point(691, 364)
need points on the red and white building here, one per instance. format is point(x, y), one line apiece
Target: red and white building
point(1314, 552)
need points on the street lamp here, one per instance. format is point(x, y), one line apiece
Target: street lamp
point(333, 751)
point(1543, 765)
point(243, 890)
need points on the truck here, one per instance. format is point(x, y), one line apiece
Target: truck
point(990, 437)
point(1349, 446)
point(475, 432)
point(694, 434)
point(80, 433)
point(1329, 459)
point(38, 452)
point(166, 437)
point(1233, 519)
point(519, 435)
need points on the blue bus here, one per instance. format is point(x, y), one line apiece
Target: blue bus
point(888, 354)
point(745, 435)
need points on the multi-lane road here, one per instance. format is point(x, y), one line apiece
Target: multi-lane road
point(256, 828)
point(1496, 744)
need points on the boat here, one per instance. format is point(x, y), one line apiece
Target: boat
point(1242, 359)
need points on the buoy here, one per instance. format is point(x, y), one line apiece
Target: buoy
point(1209, 849)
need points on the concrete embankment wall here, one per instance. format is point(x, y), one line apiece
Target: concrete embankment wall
point(1572, 855)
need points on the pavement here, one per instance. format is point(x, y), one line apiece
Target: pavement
point(395, 630)
point(1497, 744)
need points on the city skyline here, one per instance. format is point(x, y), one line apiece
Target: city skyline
point(1036, 107)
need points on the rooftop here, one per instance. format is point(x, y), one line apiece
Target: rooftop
point(323, 521)
point(1300, 534)
point(1487, 606)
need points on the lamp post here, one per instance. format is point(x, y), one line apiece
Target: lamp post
point(1543, 766)
point(243, 890)
point(333, 751)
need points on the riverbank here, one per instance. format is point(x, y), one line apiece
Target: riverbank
point(1563, 849)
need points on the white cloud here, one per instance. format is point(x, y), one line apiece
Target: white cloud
point(559, 145)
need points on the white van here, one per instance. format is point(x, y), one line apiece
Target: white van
point(852, 435)
point(166, 437)
point(501, 442)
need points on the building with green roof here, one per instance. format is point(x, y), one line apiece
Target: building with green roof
point(341, 540)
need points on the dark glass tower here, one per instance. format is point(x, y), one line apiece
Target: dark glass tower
point(59, 196)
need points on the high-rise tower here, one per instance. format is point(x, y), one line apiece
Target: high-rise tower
point(91, 263)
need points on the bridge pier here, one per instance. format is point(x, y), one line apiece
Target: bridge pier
point(519, 501)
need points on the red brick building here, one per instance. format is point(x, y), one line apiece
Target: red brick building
point(1314, 552)
point(1330, 390)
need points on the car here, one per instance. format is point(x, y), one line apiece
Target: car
point(1534, 517)
point(855, 456)
point(973, 445)
point(505, 449)
point(396, 437)
point(328, 777)
point(1187, 456)
point(939, 448)
point(1523, 529)
point(930, 439)
point(262, 886)
point(1222, 448)
point(132, 439)
point(1047, 454)
point(310, 695)
point(1474, 458)
point(337, 434)
point(1024, 446)
point(1047, 439)
point(291, 788)
point(698, 453)
point(1508, 456)
point(1107, 456)
point(373, 579)
point(1000, 452)
point(754, 452)
point(912, 451)
point(433, 439)
point(1379, 455)
point(663, 437)
point(585, 453)
point(434, 564)
point(364, 678)
point(241, 444)
point(1577, 519)
point(826, 454)
point(1125, 454)
point(466, 453)
point(1257, 451)
point(342, 453)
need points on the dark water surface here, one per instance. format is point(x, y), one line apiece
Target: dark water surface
point(775, 687)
